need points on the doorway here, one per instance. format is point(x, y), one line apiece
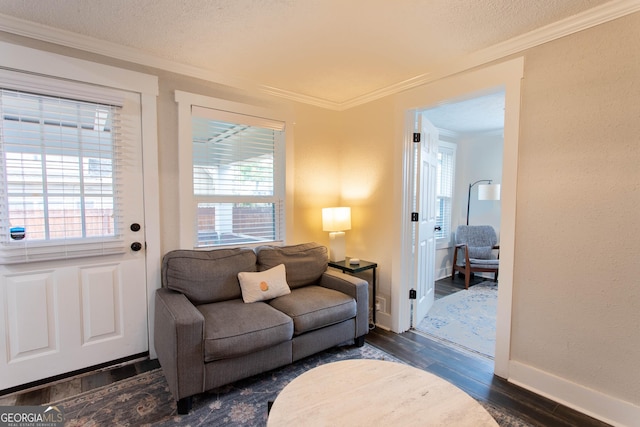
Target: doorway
point(470, 148)
point(65, 311)
point(73, 279)
point(506, 75)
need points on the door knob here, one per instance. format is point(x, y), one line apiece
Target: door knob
point(136, 246)
point(437, 228)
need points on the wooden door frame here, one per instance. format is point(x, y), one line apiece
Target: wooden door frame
point(506, 75)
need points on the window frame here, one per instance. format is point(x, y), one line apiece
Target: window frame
point(25, 251)
point(449, 148)
point(282, 174)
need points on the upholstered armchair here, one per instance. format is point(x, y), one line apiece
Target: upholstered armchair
point(478, 245)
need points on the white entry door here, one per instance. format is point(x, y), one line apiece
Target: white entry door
point(72, 273)
point(425, 201)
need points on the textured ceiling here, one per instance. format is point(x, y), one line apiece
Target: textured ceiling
point(480, 114)
point(330, 50)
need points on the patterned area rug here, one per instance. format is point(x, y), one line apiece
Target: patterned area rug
point(146, 400)
point(466, 318)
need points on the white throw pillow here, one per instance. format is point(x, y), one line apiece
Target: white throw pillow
point(264, 285)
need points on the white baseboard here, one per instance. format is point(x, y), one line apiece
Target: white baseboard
point(443, 272)
point(383, 320)
point(588, 401)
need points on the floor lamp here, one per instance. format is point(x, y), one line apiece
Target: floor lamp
point(485, 192)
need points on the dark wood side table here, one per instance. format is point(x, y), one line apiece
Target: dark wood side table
point(358, 268)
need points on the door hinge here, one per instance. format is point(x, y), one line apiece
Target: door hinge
point(413, 294)
point(416, 137)
point(414, 217)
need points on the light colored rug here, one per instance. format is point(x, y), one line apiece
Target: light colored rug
point(466, 318)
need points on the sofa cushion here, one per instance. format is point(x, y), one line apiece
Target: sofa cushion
point(304, 263)
point(313, 307)
point(207, 276)
point(233, 328)
point(264, 285)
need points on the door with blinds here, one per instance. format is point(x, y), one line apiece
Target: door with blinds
point(72, 251)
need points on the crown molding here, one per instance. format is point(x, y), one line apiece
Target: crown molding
point(598, 15)
point(73, 40)
point(590, 18)
point(298, 97)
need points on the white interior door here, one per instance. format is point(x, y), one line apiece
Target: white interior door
point(60, 314)
point(425, 201)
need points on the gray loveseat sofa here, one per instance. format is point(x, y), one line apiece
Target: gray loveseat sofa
point(207, 336)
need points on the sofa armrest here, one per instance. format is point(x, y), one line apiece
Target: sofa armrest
point(178, 334)
point(356, 288)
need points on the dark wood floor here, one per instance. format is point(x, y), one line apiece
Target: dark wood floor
point(58, 390)
point(473, 373)
point(470, 372)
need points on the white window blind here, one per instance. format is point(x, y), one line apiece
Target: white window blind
point(59, 183)
point(237, 184)
point(444, 188)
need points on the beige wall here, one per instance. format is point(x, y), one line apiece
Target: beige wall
point(317, 171)
point(340, 162)
point(576, 295)
point(576, 305)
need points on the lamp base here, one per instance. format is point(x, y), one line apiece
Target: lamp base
point(337, 247)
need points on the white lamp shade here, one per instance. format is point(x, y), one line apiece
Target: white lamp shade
point(489, 192)
point(336, 219)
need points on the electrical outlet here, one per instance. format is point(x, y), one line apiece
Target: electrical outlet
point(381, 305)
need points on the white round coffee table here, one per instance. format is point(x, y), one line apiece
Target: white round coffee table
point(366, 392)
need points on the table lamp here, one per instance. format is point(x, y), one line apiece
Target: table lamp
point(336, 221)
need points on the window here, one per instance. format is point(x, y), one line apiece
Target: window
point(444, 190)
point(237, 178)
point(59, 180)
